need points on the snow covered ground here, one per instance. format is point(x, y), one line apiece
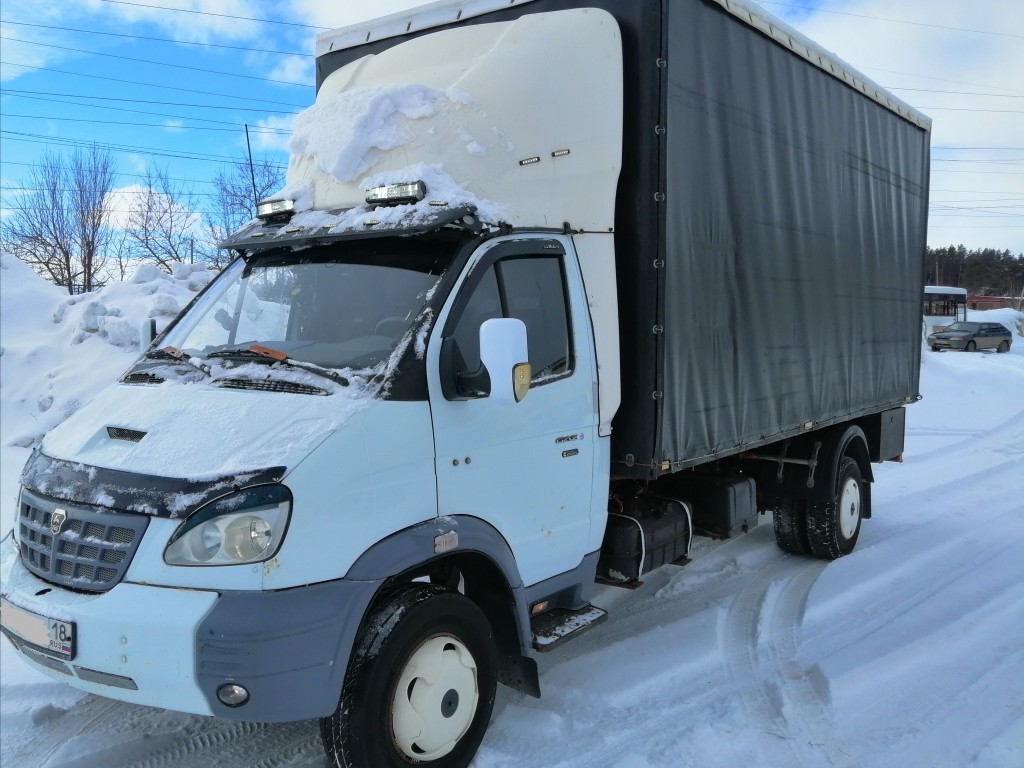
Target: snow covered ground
point(907, 654)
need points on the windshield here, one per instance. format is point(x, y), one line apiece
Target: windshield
point(339, 307)
point(970, 327)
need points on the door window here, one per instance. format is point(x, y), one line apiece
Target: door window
point(531, 289)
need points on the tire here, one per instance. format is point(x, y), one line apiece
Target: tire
point(790, 523)
point(1004, 346)
point(390, 715)
point(935, 347)
point(971, 346)
point(833, 528)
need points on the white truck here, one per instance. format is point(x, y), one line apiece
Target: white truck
point(553, 285)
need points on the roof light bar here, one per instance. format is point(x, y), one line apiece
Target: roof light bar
point(272, 209)
point(396, 194)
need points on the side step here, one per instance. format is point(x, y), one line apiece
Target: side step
point(558, 625)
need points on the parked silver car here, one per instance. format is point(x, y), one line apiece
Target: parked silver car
point(970, 336)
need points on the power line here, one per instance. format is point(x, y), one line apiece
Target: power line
point(35, 138)
point(160, 39)
point(1014, 200)
point(126, 109)
point(156, 63)
point(971, 109)
point(119, 190)
point(153, 85)
point(149, 125)
point(945, 206)
point(873, 18)
point(958, 93)
point(241, 160)
point(220, 15)
point(867, 67)
point(144, 101)
point(994, 173)
point(111, 210)
point(978, 192)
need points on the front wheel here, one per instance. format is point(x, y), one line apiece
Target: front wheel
point(833, 527)
point(420, 686)
point(971, 346)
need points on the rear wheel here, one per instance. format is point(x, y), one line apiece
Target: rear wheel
point(833, 527)
point(971, 346)
point(420, 686)
point(1004, 346)
point(790, 523)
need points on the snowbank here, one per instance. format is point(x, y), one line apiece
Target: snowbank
point(83, 343)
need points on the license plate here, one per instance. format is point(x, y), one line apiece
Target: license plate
point(51, 636)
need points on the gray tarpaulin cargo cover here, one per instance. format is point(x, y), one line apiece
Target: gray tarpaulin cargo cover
point(770, 233)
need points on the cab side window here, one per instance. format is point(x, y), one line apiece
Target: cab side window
point(531, 289)
point(484, 304)
point(535, 293)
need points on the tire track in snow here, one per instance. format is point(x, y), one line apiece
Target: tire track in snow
point(1005, 435)
point(935, 559)
point(912, 690)
point(796, 708)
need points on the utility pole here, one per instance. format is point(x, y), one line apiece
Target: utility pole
point(252, 173)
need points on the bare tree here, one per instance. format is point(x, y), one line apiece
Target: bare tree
point(234, 201)
point(162, 223)
point(60, 229)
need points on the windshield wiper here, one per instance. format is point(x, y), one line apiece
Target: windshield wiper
point(173, 353)
point(259, 353)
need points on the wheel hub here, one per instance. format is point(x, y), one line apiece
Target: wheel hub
point(849, 508)
point(435, 699)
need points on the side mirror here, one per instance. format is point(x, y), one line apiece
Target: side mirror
point(503, 351)
point(147, 332)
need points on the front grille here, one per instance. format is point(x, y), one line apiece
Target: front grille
point(268, 385)
point(91, 551)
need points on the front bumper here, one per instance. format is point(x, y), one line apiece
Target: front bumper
point(138, 640)
point(173, 648)
point(948, 343)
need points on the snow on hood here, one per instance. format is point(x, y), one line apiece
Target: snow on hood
point(199, 432)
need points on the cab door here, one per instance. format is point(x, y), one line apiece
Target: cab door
point(526, 468)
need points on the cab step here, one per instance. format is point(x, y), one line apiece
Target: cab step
point(558, 625)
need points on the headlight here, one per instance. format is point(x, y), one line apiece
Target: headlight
point(245, 527)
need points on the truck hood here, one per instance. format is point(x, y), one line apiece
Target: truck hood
point(198, 432)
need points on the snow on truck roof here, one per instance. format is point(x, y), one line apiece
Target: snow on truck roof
point(443, 12)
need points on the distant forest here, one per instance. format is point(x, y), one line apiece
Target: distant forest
point(984, 272)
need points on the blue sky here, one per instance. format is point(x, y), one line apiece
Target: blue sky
point(171, 84)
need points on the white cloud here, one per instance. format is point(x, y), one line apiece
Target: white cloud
point(293, 69)
point(134, 197)
point(120, 202)
point(275, 134)
point(216, 20)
